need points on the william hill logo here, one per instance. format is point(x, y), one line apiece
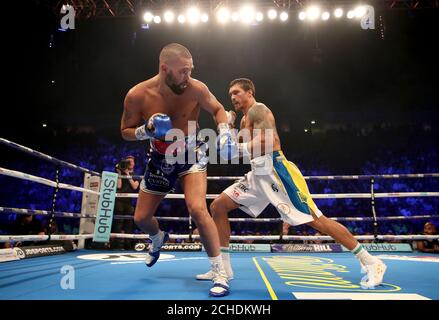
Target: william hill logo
point(318, 273)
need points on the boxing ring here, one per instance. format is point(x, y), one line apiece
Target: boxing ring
point(263, 271)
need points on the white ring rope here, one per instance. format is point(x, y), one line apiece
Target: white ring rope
point(29, 177)
point(46, 157)
point(339, 177)
point(315, 196)
point(336, 177)
point(346, 177)
point(7, 238)
point(47, 182)
point(255, 220)
point(46, 213)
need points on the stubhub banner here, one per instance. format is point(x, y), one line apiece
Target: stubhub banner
point(386, 247)
point(107, 198)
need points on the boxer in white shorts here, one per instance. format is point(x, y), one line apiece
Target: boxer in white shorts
point(273, 179)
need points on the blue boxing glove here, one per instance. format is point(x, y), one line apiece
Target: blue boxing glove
point(227, 146)
point(156, 127)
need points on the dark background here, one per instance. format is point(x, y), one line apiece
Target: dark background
point(331, 72)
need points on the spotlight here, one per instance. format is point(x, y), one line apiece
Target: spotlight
point(313, 122)
point(223, 15)
point(235, 16)
point(313, 13)
point(283, 16)
point(193, 15)
point(259, 16)
point(360, 11)
point(302, 15)
point(181, 19)
point(204, 18)
point(247, 14)
point(169, 16)
point(338, 13)
point(325, 15)
point(272, 14)
point(306, 130)
point(157, 19)
point(147, 17)
point(44, 125)
point(351, 14)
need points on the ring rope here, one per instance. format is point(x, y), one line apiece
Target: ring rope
point(256, 220)
point(7, 238)
point(315, 196)
point(346, 177)
point(46, 213)
point(46, 157)
point(338, 177)
point(25, 176)
point(47, 182)
point(333, 177)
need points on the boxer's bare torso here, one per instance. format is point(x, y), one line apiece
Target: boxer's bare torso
point(152, 96)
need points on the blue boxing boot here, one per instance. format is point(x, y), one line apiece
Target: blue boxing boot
point(158, 240)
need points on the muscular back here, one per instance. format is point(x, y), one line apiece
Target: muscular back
point(261, 117)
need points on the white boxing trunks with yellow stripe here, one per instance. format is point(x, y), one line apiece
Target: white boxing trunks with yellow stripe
point(273, 179)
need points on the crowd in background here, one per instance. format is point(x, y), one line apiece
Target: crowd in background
point(344, 151)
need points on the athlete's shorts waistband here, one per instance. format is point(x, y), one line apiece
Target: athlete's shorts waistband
point(264, 164)
point(273, 155)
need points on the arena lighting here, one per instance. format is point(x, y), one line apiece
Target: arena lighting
point(360, 11)
point(204, 18)
point(247, 14)
point(235, 16)
point(169, 16)
point(157, 19)
point(193, 15)
point(351, 14)
point(313, 13)
point(272, 14)
point(313, 122)
point(259, 16)
point(283, 16)
point(338, 13)
point(223, 15)
point(325, 15)
point(181, 19)
point(148, 17)
point(302, 15)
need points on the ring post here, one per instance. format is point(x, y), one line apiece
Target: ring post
point(372, 201)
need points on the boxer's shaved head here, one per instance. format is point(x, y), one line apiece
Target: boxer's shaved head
point(173, 51)
point(176, 67)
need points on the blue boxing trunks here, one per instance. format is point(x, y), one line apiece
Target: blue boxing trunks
point(161, 174)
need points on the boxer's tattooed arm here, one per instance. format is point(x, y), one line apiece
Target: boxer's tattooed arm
point(260, 117)
point(264, 134)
